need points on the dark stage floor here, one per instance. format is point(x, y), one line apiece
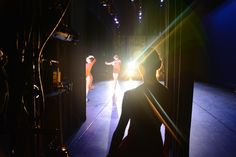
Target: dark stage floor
point(213, 130)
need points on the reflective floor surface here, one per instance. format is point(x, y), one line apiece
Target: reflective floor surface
point(213, 129)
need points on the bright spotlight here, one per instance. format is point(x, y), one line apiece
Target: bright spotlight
point(131, 69)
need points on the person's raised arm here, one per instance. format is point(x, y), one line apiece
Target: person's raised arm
point(94, 60)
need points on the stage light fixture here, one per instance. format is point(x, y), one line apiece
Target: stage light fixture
point(63, 36)
point(65, 33)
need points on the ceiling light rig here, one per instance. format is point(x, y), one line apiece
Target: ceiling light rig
point(110, 7)
point(140, 13)
point(161, 3)
point(108, 4)
point(117, 23)
point(104, 3)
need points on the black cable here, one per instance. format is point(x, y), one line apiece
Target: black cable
point(41, 51)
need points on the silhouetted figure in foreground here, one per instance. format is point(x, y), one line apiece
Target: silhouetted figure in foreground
point(144, 136)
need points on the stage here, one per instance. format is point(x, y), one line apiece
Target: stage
point(213, 128)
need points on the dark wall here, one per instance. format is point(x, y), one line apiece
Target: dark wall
point(220, 39)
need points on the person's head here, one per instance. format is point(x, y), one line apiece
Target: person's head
point(116, 57)
point(89, 59)
point(150, 64)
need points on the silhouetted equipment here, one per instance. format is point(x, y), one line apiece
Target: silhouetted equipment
point(56, 118)
point(63, 36)
point(65, 33)
point(4, 89)
point(51, 75)
point(55, 123)
point(3, 59)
